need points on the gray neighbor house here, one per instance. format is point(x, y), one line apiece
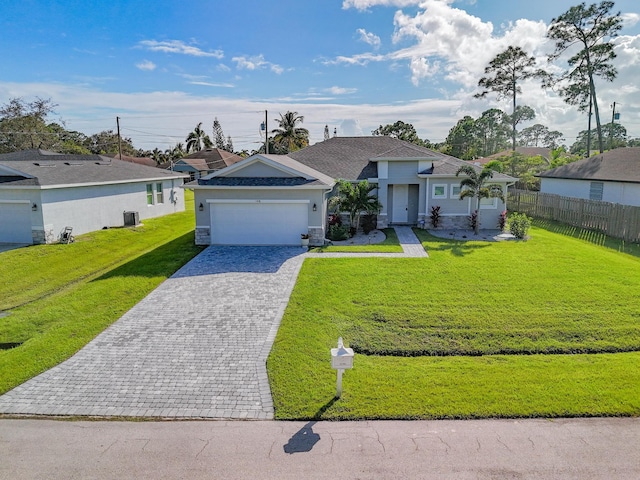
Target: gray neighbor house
point(43, 192)
point(274, 199)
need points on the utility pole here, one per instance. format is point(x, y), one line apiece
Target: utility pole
point(119, 139)
point(613, 119)
point(589, 127)
point(266, 134)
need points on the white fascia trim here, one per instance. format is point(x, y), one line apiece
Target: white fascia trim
point(314, 226)
point(230, 187)
point(13, 202)
point(203, 226)
point(224, 200)
point(373, 180)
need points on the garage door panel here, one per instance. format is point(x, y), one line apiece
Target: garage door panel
point(15, 223)
point(258, 223)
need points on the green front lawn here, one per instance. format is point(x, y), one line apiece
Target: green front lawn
point(391, 244)
point(509, 329)
point(57, 298)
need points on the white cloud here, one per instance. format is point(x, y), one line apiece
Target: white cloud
point(180, 47)
point(366, 4)
point(341, 90)
point(256, 62)
point(146, 65)
point(369, 38)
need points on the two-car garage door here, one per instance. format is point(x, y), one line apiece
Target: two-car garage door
point(258, 222)
point(15, 222)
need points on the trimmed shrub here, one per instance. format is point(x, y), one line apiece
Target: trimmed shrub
point(337, 232)
point(502, 221)
point(519, 225)
point(369, 222)
point(473, 220)
point(435, 216)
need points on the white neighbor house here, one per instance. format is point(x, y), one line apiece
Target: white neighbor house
point(43, 192)
point(613, 176)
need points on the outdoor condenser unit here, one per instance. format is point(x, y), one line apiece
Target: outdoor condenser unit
point(131, 219)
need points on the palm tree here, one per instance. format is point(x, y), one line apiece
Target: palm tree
point(473, 185)
point(355, 199)
point(197, 140)
point(289, 137)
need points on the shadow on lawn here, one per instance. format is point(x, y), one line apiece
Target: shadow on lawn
point(591, 236)
point(161, 261)
point(457, 248)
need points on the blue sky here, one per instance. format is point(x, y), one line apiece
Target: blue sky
point(164, 66)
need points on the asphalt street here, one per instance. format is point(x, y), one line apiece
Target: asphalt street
point(598, 448)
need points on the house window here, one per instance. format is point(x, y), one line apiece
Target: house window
point(488, 203)
point(595, 191)
point(159, 193)
point(455, 191)
point(439, 191)
point(149, 193)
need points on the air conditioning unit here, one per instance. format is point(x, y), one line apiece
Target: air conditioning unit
point(131, 219)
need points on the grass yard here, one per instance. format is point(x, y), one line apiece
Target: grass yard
point(548, 327)
point(56, 298)
point(391, 244)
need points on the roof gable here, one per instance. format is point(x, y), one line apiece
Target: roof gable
point(269, 170)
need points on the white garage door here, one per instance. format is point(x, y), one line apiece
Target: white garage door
point(15, 222)
point(269, 222)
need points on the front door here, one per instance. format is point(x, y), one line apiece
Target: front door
point(400, 213)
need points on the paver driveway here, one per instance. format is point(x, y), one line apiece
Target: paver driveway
point(195, 347)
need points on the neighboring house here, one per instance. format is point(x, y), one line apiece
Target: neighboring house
point(239, 204)
point(204, 162)
point(613, 176)
point(149, 162)
point(43, 192)
point(261, 200)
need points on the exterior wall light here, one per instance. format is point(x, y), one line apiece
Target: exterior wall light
point(315, 207)
point(34, 207)
point(201, 207)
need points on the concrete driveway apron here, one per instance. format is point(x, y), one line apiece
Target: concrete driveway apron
point(194, 348)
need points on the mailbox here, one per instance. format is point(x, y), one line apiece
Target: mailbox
point(341, 357)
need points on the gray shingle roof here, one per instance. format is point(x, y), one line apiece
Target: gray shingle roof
point(354, 158)
point(48, 169)
point(619, 165)
point(258, 181)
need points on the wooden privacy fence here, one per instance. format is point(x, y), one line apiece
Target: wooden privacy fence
point(613, 219)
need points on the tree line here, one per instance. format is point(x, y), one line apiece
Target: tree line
point(26, 125)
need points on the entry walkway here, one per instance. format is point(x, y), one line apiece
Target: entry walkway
point(196, 347)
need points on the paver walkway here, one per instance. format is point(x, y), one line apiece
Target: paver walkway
point(195, 347)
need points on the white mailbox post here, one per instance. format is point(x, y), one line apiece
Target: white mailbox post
point(341, 358)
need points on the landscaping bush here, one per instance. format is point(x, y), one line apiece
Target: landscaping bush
point(519, 225)
point(435, 216)
point(473, 221)
point(337, 232)
point(335, 219)
point(502, 221)
point(369, 223)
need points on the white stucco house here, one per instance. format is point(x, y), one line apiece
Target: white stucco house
point(43, 192)
point(613, 176)
point(273, 199)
